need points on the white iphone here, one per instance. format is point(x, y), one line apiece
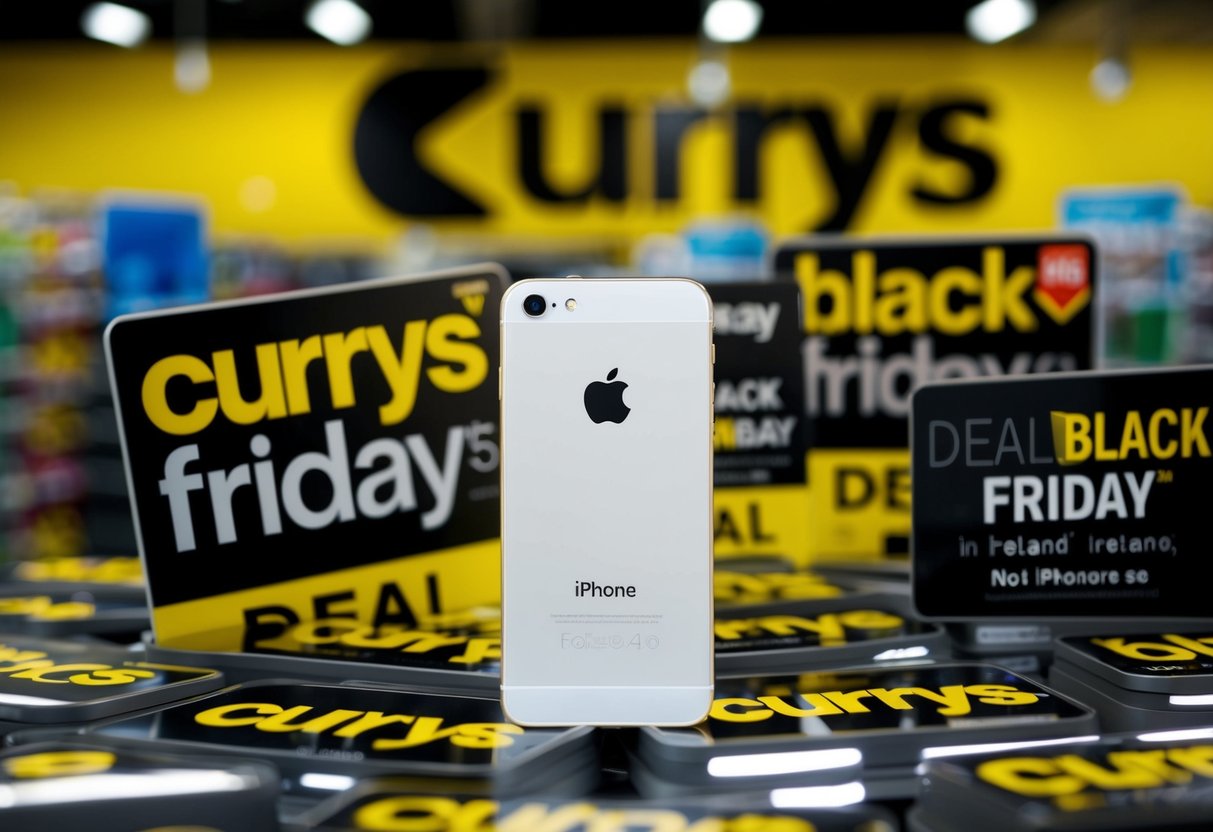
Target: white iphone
point(606, 420)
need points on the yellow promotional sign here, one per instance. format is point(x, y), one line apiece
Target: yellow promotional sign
point(359, 481)
point(544, 141)
point(884, 316)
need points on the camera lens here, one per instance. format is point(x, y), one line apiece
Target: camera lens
point(534, 305)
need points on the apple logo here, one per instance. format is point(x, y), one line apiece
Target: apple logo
point(604, 402)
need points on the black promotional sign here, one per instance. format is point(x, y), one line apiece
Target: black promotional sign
point(43, 680)
point(759, 386)
point(66, 610)
point(466, 642)
point(1157, 655)
point(893, 716)
point(1077, 495)
point(392, 804)
point(826, 629)
point(329, 453)
point(319, 720)
point(739, 588)
point(884, 316)
point(760, 432)
point(357, 731)
point(1116, 784)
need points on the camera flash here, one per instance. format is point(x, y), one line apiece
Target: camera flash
point(570, 304)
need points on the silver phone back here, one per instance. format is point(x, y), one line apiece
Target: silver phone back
point(606, 526)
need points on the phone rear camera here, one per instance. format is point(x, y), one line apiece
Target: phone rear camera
point(534, 305)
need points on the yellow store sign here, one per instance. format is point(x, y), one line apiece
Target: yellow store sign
point(601, 139)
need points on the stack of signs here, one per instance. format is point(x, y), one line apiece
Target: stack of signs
point(877, 723)
point(1142, 681)
point(458, 652)
point(401, 804)
point(755, 584)
point(118, 573)
point(330, 453)
point(99, 596)
point(1092, 787)
point(1064, 496)
point(759, 432)
point(98, 609)
point(824, 634)
point(95, 785)
point(883, 316)
point(1027, 645)
point(314, 733)
point(44, 681)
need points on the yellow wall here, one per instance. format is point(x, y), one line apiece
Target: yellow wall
point(92, 117)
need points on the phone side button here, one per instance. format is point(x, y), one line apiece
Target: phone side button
point(500, 381)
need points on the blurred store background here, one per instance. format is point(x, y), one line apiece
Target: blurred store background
point(160, 152)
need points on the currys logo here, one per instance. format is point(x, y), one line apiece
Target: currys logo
point(604, 401)
point(410, 105)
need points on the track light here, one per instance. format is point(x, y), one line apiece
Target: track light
point(119, 25)
point(995, 20)
point(343, 22)
point(732, 21)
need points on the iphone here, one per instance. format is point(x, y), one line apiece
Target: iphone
point(606, 420)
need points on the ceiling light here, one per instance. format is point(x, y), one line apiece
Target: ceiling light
point(1110, 79)
point(732, 21)
point(995, 20)
point(709, 83)
point(192, 66)
point(343, 22)
point(119, 25)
